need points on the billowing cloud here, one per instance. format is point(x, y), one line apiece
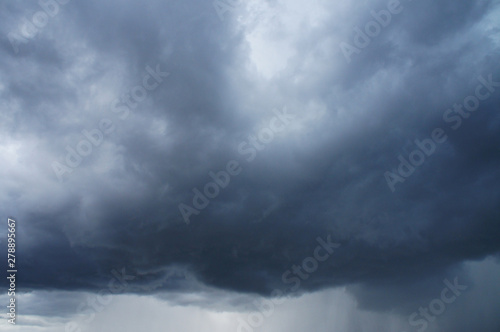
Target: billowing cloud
point(207, 152)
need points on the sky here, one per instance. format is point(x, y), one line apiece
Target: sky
point(264, 166)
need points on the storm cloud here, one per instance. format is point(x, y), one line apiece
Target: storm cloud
point(206, 149)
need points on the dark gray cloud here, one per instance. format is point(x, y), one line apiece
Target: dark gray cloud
point(323, 175)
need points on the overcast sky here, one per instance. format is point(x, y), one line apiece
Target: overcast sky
point(335, 160)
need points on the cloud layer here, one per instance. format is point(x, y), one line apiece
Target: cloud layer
point(320, 172)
